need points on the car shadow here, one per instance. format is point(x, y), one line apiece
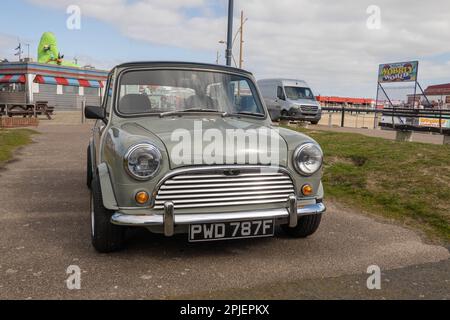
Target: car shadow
point(142, 241)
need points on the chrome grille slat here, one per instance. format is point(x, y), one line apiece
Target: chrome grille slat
point(231, 184)
point(227, 189)
point(213, 189)
point(224, 194)
point(224, 180)
point(279, 196)
point(219, 204)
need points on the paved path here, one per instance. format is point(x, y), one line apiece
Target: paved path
point(44, 228)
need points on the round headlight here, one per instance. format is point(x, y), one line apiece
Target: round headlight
point(142, 161)
point(308, 159)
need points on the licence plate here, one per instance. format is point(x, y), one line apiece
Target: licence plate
point(231, 230)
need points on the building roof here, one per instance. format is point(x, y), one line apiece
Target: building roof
point(344, 100)
point(439, 89)
point(52, 70)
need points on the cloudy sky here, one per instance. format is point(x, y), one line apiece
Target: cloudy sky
point(335, 45)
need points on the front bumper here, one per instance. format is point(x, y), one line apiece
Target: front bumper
point(169, 219)
point(299, 115)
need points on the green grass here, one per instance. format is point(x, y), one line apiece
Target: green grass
point(12, 139)
point(406, 181)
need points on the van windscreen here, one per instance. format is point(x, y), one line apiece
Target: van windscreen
point(297, 93)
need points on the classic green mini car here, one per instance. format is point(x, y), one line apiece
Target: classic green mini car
point(190, 148)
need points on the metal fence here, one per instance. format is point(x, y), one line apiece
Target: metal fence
point(406, 119)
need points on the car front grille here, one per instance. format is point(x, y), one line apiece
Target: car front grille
point(310, 109)
point(219, 188)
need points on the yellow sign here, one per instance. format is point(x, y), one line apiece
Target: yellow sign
point(434, 123)
point(398, 72)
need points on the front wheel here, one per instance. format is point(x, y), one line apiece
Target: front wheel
point(306, 226)
point(314, 122)
point(106, 237)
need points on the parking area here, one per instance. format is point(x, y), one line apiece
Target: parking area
point(45, 228)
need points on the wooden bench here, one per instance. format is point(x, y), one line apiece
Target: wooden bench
point(26, 109)
point(43, 108)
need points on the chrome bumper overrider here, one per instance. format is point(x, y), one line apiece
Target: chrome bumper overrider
point(169, 219)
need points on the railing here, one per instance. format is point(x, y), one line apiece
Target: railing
point(397, 114)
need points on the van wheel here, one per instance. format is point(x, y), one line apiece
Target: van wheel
point(306, 226)
point(106, 237)
point(284, 115)
point(314, 122)
point(89, 168)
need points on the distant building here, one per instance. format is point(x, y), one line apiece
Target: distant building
point(341, 101)
point(438, 96)
point(61, 86)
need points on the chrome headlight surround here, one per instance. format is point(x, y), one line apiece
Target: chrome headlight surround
point(140, 156)
point(308, 159)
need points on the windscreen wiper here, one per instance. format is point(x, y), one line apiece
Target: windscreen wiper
point(246, 113)
point(169, 113)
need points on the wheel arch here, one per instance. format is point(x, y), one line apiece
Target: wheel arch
point(107, 190)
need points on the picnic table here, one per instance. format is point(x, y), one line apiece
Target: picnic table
point(26, 109)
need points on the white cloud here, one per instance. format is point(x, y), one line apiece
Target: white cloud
point(325, 42)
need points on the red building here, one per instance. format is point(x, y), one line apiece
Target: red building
point(340, 101)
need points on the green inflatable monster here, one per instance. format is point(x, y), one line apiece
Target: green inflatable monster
point(48, 51)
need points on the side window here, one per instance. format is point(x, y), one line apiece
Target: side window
point(280, 93)
point(243, 97)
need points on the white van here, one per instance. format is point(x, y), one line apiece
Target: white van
point(290, 98)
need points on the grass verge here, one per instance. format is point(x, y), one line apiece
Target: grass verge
point(405, 181)
point(11, 140)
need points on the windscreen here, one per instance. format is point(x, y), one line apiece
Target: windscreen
point(297, 93)
point(158, 91)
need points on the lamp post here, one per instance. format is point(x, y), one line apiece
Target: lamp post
point(241, 56)
point(228, 52)
point(240, 32)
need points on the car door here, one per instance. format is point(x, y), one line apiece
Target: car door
point(271, 101)
point(281, 101)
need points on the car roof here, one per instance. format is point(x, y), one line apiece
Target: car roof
point(179, 64)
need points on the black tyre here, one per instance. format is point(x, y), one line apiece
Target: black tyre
point(89, 168)
point(314, 122)
point(106, 237)
point(306, 226)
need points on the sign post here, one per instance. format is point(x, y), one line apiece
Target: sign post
point(396, 73)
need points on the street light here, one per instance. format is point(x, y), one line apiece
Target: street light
point(239, 31)
point(228, 52)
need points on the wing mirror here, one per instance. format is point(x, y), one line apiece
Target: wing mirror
point(94, 112)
